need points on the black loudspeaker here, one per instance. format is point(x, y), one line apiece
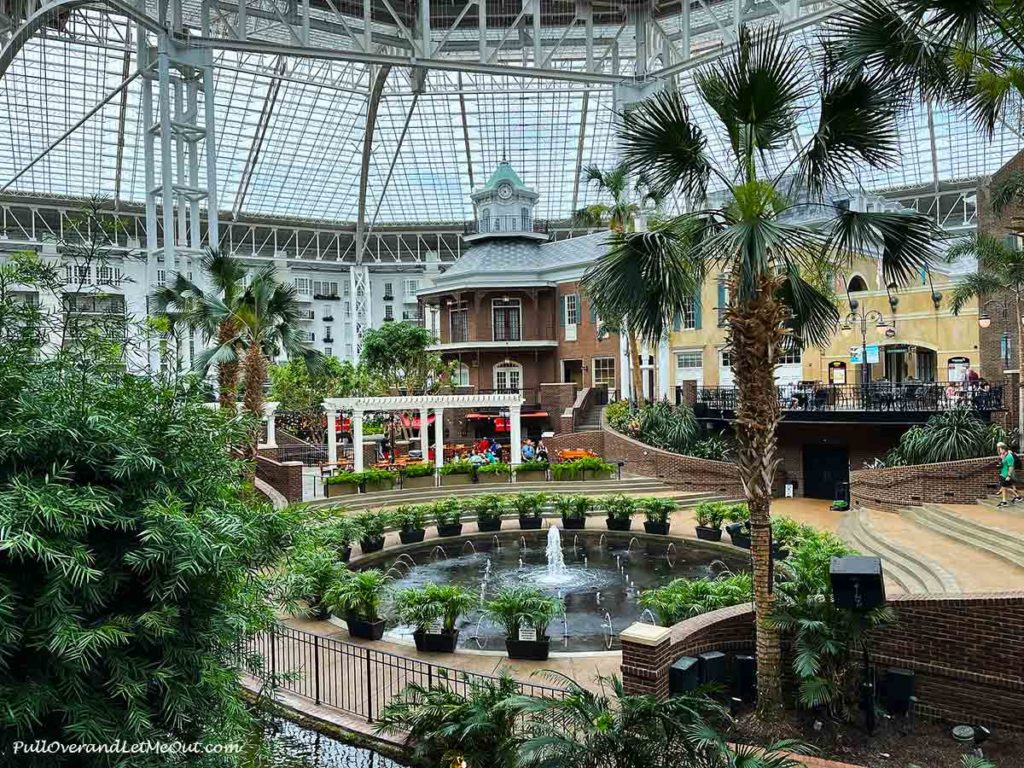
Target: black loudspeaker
point(746, 678)
point(683, 675)
point(857, 583)
point(899, 690)
point(712, 668)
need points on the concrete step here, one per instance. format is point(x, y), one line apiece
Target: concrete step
point(1003, 544)
point(910, 570)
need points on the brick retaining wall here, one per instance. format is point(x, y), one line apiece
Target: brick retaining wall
point(952, 482)
point(283, 476)
point(967, 652)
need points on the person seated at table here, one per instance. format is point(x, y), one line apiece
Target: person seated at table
point(476, 458)
point(527, 450)
point(542, 451)
point(482, 445)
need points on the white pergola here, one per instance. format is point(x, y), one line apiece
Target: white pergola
point(424, 404)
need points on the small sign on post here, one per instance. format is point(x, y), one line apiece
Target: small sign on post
point(528, 633)
point(435, 627)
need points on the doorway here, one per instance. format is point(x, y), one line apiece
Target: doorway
point(572, 371)
point(825, 466)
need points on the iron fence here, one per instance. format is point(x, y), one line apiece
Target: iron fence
point(357, 679)
point(876, 397)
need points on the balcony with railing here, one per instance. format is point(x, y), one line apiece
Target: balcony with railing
point(506, 225)
point(877, 401)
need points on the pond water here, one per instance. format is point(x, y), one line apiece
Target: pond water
point(598, 577)
point(287, 745)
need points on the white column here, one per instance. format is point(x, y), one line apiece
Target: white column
point(332, 436)
point(515, 438)
point(424, 433)
point(357, 440)
point(625, 382)
point(270, 409)
point(439, 437)
point(662, 373)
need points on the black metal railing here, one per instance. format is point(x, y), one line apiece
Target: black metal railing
point(354, 678)
point(877, 397)
point(503, 224)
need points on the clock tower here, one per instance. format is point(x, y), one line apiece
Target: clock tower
point(503, 208)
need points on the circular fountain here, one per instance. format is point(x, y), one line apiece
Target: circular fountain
point(598, 576)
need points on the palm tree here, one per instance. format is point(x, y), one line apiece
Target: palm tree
point(1000, 272)
point(776, 266)
point(618, 217)
point(183, 300)
point(608, 728)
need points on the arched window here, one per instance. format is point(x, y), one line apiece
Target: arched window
point(508, 376)
point(460, 377)
point(856, 284)
point(485, 220)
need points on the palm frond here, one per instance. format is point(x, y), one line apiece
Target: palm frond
point(904, 240)
point(971, 287)
point(814, 312)
point(1008, 191)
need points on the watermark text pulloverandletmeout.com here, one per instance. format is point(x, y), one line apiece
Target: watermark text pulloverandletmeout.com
point(122, 747)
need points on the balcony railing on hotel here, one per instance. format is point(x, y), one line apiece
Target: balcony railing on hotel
point(876, 397)
point(505, 224)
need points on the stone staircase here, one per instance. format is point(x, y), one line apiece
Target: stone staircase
point(591, 421)
point(1006, 545)
point(913, 573)
point(629, 486)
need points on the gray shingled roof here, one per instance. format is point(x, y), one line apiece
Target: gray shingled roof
point(525, 257)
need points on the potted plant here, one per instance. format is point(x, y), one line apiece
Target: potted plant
point(342, 484)
point(488, 509)
point(371, 531)
point(411, 522)
point(420, 475)
point(433, 610)
point(447, 515)
point(573, 510)
point(620, 510)
point(375, 480)
point(358, 597)
point(739, 525)
point(532, 471)
point(656, 514)
point(338, 533)
point(498, 472)
point(530, 507)
point(591, 468)
point(565, 470)
point(524, 614)
point(786, 534)
point(710, 515)
point(311, 571)
point(457, 473)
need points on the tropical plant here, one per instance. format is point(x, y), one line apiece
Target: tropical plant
point(420, 469)
point(685, 598)
point(573, 507)
point(947, 436)
point(456, 722)
point(372, 476)
point(300, 392)
point(669, 427)
point(359, 593)
point(513, 607)
point(787, 532)
point(737, 513)
point(494, 468)
point(618, 507)
point(332, 528)
point(606, 728)
point(422, 606)
point(446, 511)
point(489, 506)
point(710, 514)
point(372, 524)
point(410, 517)
point(457, 468)
point(657, 510)
point(529, 504)
point(1000, 272)
point(311, 570)
point(778, 270)
point(533, 465)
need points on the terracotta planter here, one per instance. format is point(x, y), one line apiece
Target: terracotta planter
point(491, 478)
point(574, 523)
point(340, 489)
point(531, 476)
point(372, 544)
point(709, 534)
point(453, 529)
point(460, 479)
point(366, 630)
point(489, 524)
point(426, 481)
point(412, 535)
point(529, 523)
point(619, 525)
point(444, 642)
point(528, 650)
point(660, 529)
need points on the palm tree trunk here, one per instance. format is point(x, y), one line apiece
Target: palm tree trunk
point(227, 373)
point(756, 334)
point(633, 345)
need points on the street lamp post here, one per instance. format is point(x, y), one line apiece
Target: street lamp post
point(856, 319)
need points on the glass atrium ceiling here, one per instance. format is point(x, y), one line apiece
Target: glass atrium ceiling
point(297, 125)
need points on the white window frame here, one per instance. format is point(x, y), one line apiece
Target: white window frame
point(303, 286)
point(503, 373)
point(458, 308)
point(460, 376)
point(610, 380)
point(572, 309)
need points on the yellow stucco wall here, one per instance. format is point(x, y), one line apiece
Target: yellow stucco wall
point(918, 324)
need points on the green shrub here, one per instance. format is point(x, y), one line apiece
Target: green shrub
point(366, 476)
point(496, 468)
point(311, 570)
point(952, 435)
point(424, 605)
point(360, 593)
point(685, 598)
point(419, 470)
point(517, 606)
point(620, 417)
point(489, 506)
point(533, 465)
point(446, 511)
point(594, 465)
point(619, 507)
point(565, 470)
point(529, 505)
point(737, 513)
point(410, 517)
point(787, 532)
point(657, 510)
point(710, 514)
point(371, 524)
point(457, 468)
point(669, 427)
point(335, 530)
point(573, 507)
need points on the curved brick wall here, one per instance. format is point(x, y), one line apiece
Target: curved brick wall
point(687, 472)
point(967, 652)
point(952, 482)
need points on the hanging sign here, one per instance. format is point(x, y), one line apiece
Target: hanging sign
point(857, 352)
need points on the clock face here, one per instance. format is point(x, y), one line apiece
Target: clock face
point(505, 191)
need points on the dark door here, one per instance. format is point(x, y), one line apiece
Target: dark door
point(824, 467)
point(572, 371)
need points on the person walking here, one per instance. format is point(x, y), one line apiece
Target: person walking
point(1007, 471)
